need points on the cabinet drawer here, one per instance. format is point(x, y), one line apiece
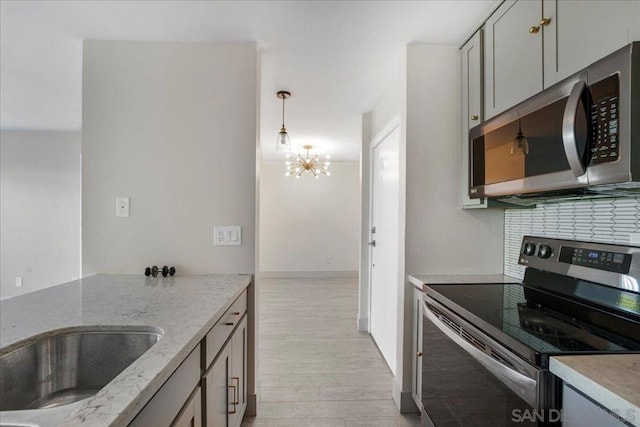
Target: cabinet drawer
point(217, 336)
point(163, 407)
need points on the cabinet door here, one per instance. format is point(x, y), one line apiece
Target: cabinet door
point(513, 55)
point(417, 347)
point(238, 379)
point(580, 33)
point(191, 413)
point(218, 394)
point(472, 75)
point(578, 411)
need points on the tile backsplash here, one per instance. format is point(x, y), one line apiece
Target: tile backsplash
point(596, 220)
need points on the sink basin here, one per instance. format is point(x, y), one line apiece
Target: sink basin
point(64, 366)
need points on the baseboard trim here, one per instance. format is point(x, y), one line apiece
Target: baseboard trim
point(363, 324)
point(252, 405)
point(307, 274)
point(403, 399)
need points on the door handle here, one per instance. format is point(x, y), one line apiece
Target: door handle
point(234, 403)
point(372, 243)
point(569, 122)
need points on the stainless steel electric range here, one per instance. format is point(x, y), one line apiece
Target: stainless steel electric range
point(486, 347)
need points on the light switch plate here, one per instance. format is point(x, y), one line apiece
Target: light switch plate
point(122, 206)
point(227, 235)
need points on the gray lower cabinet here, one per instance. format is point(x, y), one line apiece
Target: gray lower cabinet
point(579, 411)
point(225, 382)
point(416, 383)
point(219, 397)
point(168, 403)
point(191, 413)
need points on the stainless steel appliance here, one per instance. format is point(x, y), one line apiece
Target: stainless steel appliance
point(486, 347)
point(579, 137)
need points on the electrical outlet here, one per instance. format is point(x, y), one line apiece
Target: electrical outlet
point(122, 206)
point(227, 235)
point(19, 282)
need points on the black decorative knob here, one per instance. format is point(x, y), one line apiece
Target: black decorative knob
point(544, 251)
point(529, 249)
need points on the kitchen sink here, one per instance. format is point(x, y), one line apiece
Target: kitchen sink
point(64, 366)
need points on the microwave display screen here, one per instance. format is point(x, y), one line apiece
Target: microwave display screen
point(527, 147)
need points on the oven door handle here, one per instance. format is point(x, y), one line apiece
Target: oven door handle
point(522, 385)
point(569, 122)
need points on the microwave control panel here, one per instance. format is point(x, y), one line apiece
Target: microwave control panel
point(604, 120)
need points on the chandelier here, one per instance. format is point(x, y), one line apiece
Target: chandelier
point(309, 163)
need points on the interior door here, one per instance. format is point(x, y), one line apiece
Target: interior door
point(384, 252)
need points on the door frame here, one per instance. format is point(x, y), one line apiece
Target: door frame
point(375, 141)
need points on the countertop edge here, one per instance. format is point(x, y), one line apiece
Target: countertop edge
point(594, 390)
point(421, 280)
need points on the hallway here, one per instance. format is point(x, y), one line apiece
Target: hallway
point(316, 369)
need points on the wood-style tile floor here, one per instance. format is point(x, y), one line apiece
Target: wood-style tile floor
point(316, 369)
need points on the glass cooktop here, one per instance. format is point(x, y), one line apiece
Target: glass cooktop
point(507, 309)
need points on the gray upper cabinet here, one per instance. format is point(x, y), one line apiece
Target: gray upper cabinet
point(471, 60)
point(579, 33)
point(532, 44)
point(513, 55)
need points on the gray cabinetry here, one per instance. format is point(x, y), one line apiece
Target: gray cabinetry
point(191, 413)
point(513, 55)
point(416, 383)
point(579, 411)
point(579, 33)
point(532, 44)
point(225, 379)
point(166, 405)
point(472, 111)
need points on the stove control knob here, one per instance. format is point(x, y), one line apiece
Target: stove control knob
point(529, 249)
point(544, 251)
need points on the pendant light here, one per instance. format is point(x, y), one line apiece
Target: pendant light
point(520, 144)
point(283, 143)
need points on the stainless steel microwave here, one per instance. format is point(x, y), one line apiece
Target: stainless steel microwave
point(579, 137)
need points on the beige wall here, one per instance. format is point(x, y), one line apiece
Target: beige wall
point(173, 127)
point(40, 203)
point(308, 224)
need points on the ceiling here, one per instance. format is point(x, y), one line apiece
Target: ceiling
point(335, 57)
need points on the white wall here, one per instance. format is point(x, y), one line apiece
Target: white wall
point(173, 127)
point(308, 224)
point(388, 113)
point(441, 237)
point(40, 204)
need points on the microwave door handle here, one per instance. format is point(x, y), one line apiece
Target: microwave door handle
point(520, 384)
point(569, 121)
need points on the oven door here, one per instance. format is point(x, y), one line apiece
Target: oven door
point(469, 379)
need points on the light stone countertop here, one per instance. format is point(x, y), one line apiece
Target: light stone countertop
point(184, 307)
point(613, 380)
point(420, 280)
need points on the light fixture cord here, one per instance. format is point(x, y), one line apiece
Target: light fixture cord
point(283, 98)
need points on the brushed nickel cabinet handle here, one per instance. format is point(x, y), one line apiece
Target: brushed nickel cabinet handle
point(419, 354)
point(237, 390)
point(234, 401)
